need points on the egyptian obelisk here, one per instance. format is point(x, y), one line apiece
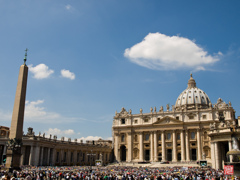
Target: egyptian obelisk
point(16, 129)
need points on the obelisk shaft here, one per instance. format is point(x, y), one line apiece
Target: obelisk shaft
point(16, 129)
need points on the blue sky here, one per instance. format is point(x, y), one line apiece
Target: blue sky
point(89, 58)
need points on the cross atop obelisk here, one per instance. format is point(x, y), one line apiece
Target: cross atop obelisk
point(25, 58)
point(16, 129)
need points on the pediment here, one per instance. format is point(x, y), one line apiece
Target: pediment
point(168, 120)
point(122, 113)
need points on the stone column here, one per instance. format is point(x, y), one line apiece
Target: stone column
point(151, 146)
point(174, 147)
point(163, 147)
point(69, 157)
point(41, 156)
point(54, 157)
point(182, 146)
point(75, 157)
point(116, 147)
point(217, 157)
point(31, 156)
point(187, 145)
point(155, 140)
point(4, 149)
point(213, 155)
point(230, 148)
point(36, 158)
point(141, 146)
point(129, 143)
point(48, 157)
point(23, 156)
point(199, 145)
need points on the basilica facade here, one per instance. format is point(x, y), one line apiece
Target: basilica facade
point(192, 130)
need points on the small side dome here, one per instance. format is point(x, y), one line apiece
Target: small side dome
point(193, 97)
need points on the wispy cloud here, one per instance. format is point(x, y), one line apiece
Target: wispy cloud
point(36, 112)
point(89, 138)
point(59, 132)
point(68, 7)
point(67, 74)
point(161, 52)
point(70, 133)
point(40, 71)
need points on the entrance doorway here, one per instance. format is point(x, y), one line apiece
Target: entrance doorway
point(169, 154)
point(193, 154)
point(179, 156)
point(147, 155)
point(160, 157)
point(123, 153)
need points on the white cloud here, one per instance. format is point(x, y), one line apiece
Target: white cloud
point(35, 112)
point(40, 71)
point(60, 133)
point(70, 132)
point(161, 52)
point(67, 74)
point(68, 7)
point(89, 138)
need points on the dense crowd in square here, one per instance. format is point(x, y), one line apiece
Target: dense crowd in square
point(115, 173)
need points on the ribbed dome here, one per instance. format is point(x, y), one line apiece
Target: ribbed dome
point(192, 97)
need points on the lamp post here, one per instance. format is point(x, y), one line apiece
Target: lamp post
point(91, 155)
point(15, 146)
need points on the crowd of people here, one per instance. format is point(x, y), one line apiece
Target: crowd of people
point(115, 173)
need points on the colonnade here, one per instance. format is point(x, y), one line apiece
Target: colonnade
point(47, 156)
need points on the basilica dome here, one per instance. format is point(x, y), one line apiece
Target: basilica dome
point(193, 97)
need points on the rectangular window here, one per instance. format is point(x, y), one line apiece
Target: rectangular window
point(204, 116)
point(169, 136)
point(177, 117)
point(159, 137)
point(122, 138)
point(135, 121)
point(178, 136)
point(145, 120)
point(123, 121)
point(147, 137)
point(192, 135)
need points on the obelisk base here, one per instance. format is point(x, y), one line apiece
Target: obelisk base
point(13, 159)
